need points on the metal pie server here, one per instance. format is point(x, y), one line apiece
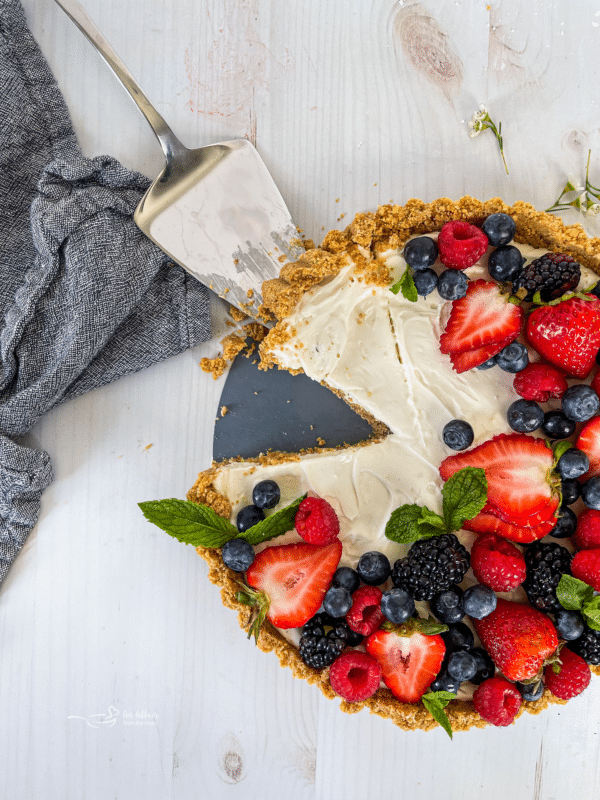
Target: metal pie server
point(215, 210)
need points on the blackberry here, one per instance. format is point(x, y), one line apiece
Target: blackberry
point(551, 275)
point(545, 563)
point(322, 641)
point(431, 566)
point(587, 646)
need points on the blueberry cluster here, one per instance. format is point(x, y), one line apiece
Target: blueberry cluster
point(238, 554)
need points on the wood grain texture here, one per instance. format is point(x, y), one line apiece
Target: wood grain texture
point(351, 103)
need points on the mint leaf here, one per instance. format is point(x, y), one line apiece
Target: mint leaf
point(274, 525)
point(431, 518)
point(190, 523)
point(435, 703)
point(572, 593)
point(406, 285)
point(465, 494)
point(591, 613)
point(407, 524)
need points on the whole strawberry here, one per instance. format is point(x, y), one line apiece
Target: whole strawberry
point(518, 638)
point(497, 563)
point(569, 677)
point(586, 567)
point(567, 334)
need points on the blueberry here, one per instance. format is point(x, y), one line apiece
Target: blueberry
point(479, 601)
point(499, 229)
point(573, 463)
point(505, 263)
point(337, 601)
point(485, 666)
point(452, 284)
point(565, 524)
point(445, 683)
point(462, 665)
point(373, 568)
point(570, 490)
point(580, 402)
point(513, 358)
point(491, 362)
point(248, 516)
point(457, 434)
point(237, 554)
point(397, 605)
point(557, 426)
point(531, 691)
point(569, 624)
point(525, 416)
point(447, 606)
point(590, 493)
point(458, 637)
point(347, 578)
point(266, 494)
point(421, 252)
point(425, 280)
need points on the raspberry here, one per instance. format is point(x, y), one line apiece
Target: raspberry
point(355, 676)
point(586, 567)
point(497, 563)
point(552, 275)
point(316, 521)
point(572, 678)
point(587, 535)
point(497, 701)
point(461, 244)
point(540, 382)
point(366, 615)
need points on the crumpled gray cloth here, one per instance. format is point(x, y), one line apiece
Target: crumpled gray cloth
point(85, 297)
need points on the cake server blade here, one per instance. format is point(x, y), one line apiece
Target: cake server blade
point(214, 210)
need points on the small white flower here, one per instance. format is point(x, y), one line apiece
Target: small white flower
point(482, 109)
point(593, 210)
point(475, 127)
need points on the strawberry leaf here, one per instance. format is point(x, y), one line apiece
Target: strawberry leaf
point(189, 523)
point(410, 523)
point(406, 285)
point(435, 703)
point(274, 525)
point(573, 594)
point(465, 494)
point(560, 448)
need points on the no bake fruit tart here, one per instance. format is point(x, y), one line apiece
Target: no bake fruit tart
point(447, 570)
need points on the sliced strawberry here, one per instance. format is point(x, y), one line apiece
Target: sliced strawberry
point(473, 358)
point(293, 578)
point(488, 523)
point(544, 515)
point(518, 471)
point(408, 663)
point(589, 442)
point(482, 317)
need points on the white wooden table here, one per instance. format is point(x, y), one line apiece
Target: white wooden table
point(351, 103)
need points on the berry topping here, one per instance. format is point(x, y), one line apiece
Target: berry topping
point(373, 568)
point(408, 663)
point(485, 666)
point(504, 263)
point(518, 638)
point(571, 678)
point(421, 252)
point(355, 676)
point(569, 625)
point(497, 701)
point(497, 563)
point(452, 285)
point(248, 516)
point(237, 554)
point(486, 522)
point(292, 579)
point(590, 492)
point(347, 578)
point(557, 425)
point(462, 665)
point(532, 692)
point(573, 463)
point(447, 605)
point(316, 521)
point(426, 281)
point(567, 334)
point(589, 442)
point(491, 362)
point(366, 615)
point(570, 490)
point(566, 523)
point(525, 416)
point(460, 244)
point(458, 434)
point(266, 494)
point(337, 601)
point(322, 640)
point(513, 358)
point(540, 382)
point(499, 229)
point(482, 319)
point(580, 403)
point(546, 564)
point(458, 637)
point(431, 566)
point(551, 275)
point(587, 535)
point(470, 359)
point(586, 567)
point(397, 605)
point(588, 646)
point(479, 601)
point(445, 683)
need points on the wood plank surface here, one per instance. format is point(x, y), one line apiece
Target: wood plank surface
point(351, 103)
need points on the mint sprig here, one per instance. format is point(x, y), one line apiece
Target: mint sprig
point(464, 496)
point(576, 595)
point(435, 703)
point(274, 525)
point(406, 285)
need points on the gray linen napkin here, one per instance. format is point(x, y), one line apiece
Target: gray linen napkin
point(85, 297)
